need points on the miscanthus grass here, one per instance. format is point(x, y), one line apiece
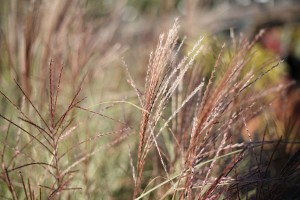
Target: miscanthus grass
point(190, 128)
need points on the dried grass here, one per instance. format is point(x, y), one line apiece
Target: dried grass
point(191, 132)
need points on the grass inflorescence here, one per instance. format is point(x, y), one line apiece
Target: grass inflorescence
point(88, 111)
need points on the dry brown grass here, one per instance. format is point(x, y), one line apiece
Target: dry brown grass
point(73, 128)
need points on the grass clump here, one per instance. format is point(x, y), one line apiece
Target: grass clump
point(197, 125)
